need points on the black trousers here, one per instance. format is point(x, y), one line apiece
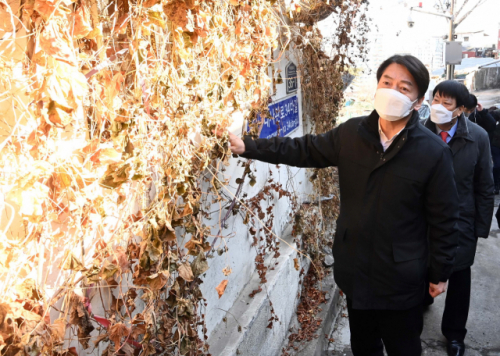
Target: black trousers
point(398, 330)
point(456, 309)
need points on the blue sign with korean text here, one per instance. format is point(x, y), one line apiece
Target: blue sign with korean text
point(285, 118)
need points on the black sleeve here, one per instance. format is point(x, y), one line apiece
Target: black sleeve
point(486, 121)
point(483, 189)
point(309, 151)
point(441, 204)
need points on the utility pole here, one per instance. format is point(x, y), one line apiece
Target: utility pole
point(452, 18)
point(451, 35)
point(450, 68)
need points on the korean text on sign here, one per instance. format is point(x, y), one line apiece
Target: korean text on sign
point(285, 118)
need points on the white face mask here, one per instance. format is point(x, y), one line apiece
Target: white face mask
point(440, 114)
point(392, 105)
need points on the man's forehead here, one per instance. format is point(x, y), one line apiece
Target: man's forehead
point(443, 96)
point(399, 72)
point(403, 80)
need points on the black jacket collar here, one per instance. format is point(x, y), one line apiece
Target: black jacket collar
point(368, 128)
point(462, 128)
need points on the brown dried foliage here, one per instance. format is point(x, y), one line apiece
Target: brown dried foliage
point(106, 160)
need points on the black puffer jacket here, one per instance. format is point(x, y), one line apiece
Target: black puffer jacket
point(474, 180)
point(389, 201)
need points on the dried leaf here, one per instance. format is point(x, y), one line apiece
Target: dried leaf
point(117, 332)
point(32, 202)
point(109, 270)
point(199, 265)
point(158, 280)
point(45, 8)
point(28, 290)
point(176, 12)
point(82, 26)
point(71, 262)
point(192, 245)
point(78, 315)
point(58, 329)
point(106, 156)
point(59, 115)
point(169, 235)
point(185, 272)
point(221, 288)
point(55, 41)
point(155, 17)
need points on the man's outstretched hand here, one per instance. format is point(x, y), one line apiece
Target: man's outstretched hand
point(236, 144)
point(437, 289)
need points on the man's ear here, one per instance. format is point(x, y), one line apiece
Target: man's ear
point(461, 110)
point(419, 103)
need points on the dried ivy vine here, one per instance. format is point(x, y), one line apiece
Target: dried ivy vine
point(113, 164)
point(110, 157)
point(322, 81)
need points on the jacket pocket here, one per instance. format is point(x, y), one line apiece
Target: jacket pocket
point(410, 264)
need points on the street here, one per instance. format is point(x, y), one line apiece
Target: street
point(483, 337)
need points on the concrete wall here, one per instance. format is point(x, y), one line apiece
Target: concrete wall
point(487, 78)
point(241, 255)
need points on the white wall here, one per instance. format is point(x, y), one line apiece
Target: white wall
point(241, 255)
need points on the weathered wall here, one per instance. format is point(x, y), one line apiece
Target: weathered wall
point(487, 78)
point(241, 255)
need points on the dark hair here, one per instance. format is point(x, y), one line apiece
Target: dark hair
point(454, 90)
point(471, 102)
point(493, 108)
point(416, 68)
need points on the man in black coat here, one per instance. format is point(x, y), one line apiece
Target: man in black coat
point(473, 175)
point(396, 184)
point(475, 112)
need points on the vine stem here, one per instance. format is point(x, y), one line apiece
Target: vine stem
point(231, 207)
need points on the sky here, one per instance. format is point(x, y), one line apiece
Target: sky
point(386, 12)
